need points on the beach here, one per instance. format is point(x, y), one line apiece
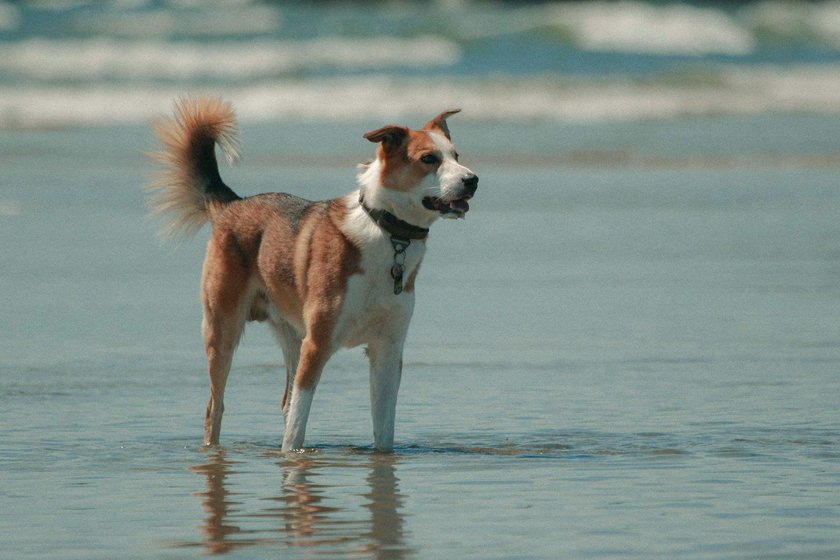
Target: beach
point(606, 359)
point(629, 348)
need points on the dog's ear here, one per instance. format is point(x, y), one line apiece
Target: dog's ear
point(391, 137)
point(439, 122)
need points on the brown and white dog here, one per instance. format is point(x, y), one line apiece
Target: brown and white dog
point(324, 275)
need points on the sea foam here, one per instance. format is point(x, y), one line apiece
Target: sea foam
point(105, 57)
point(731, 90)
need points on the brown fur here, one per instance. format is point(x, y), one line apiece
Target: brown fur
point(188, 157)
point(402, 168)
point(439, 122)
point(281, 259)
point(409, 284)
point(254, 255)
point(247, 265)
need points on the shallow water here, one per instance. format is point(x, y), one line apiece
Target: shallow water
point(633, 357)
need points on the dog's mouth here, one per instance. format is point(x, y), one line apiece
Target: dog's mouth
point(448, 208)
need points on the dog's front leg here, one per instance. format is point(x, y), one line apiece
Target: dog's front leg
point(313, 356)
point(385, 374)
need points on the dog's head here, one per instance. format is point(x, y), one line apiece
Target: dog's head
point(417, 174)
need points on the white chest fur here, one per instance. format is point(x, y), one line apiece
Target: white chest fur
point(371, 309)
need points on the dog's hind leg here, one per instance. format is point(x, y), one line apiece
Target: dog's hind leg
point(225, 296)
point(290, 343)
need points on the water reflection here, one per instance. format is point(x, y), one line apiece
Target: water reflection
point(322, 505)
point(215, 502)
point(385, 503)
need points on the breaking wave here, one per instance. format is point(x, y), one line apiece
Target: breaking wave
point(735, 90)
point(109, 58)
point(89, 63)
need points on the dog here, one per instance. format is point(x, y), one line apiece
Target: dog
point(324, 275)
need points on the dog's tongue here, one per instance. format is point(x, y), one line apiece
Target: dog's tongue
point(459, 206)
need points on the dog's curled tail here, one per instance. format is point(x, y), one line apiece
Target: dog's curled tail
point(189, 189)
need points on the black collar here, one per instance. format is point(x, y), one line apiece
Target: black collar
point(393, 225)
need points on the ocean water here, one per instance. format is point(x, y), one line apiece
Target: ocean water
point(629, 349)
point(117, 62)
point(633, 359)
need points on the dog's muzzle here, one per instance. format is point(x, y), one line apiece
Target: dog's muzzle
point(457, 204)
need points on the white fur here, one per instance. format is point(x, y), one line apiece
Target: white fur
point(296, 418)
point(371, 313)
point(385, 355)
point(450, 174)
point(370, 306)
point(407, 206)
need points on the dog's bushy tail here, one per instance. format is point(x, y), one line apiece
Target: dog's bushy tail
point(189, 188)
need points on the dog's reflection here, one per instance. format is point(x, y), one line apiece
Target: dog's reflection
point(336, 517)
point(385, 504)
point(215, 502)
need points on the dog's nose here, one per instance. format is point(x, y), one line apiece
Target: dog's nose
point(470, 183)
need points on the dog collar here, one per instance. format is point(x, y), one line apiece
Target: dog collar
point(397, 228)
point(401, 235)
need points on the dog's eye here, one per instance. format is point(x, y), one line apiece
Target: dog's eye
point(430, 159)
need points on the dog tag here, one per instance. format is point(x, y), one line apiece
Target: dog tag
point(397, 275)
point(400, 246)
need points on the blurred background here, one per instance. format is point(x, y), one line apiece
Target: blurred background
point(645, 291)
point(79, 62)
